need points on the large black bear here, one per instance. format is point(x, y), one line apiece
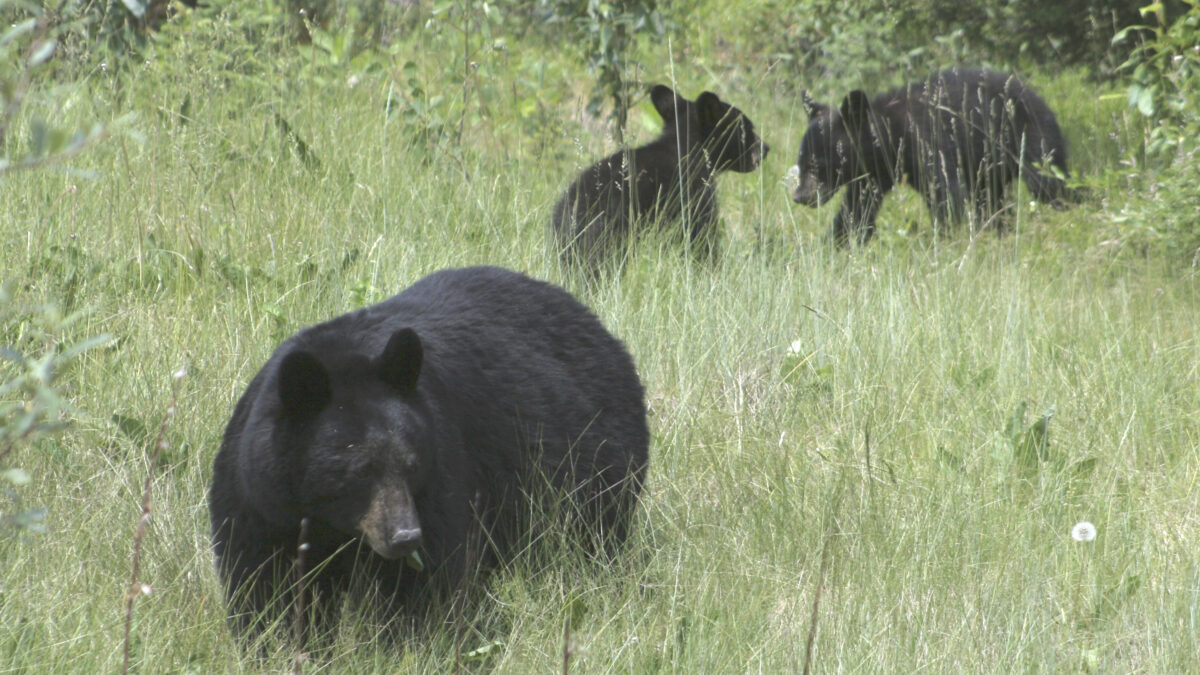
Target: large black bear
point(670, 179)
point(432, 423)
point(959, 138)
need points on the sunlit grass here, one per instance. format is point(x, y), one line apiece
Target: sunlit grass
point(798, 394)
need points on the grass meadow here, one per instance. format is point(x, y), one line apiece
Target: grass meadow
point(909, 430)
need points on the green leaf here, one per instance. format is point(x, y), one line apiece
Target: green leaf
point(576, 609)
point(12, 355)
point(1084, 467)
point(37, 138)
point(33, 520)
point(80, 347)
point(16, 31)
point(1145, 102)
point(132, 427)
point(15, 476)
point(42, 52)
point(480, 653)
point(1121, 34)
point(135, 8)
point(275, 312)
point(1033, 449)
point(1015, 422)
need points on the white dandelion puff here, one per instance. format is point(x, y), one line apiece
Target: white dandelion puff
point(1083, 531)
point(792, 178)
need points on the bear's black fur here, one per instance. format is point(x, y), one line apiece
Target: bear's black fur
point(670, 179)
point(959, 138)
point(434, 422)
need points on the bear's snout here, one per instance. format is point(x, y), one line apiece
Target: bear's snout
point(801, 198)
point(758, 153)
point(761, 155)
point(403, 542)
point(390, 526)
point(809, 191)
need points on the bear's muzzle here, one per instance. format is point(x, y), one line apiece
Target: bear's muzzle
point(391, 526)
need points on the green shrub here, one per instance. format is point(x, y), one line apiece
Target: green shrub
point(1164, 87)
point(34, 355)
point(874, 41)
point(1165, 73)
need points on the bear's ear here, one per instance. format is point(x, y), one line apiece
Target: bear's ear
point(667, 103)
point(304, 386)
point(856, 110)
point(400, 363)
point(710, 109)
point(812, 107)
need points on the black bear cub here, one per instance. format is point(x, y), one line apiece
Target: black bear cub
point(434, 424)
point(959, 138)
point(670, 179)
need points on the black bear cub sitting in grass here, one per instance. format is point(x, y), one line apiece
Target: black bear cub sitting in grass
point(670, 179)
point(435, 423)
point(959, 138)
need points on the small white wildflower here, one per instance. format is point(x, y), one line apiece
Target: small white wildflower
point(1083, 531)
point(797, 347)
point(353, 81)
point(792, 178)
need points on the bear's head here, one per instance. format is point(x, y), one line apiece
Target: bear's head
point(832, 149)
point(721, 130)
point(353, 433)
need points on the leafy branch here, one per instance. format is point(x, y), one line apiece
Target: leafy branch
point(27, 46)
point(31, 403)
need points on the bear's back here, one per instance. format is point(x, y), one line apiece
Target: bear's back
point(504, 340)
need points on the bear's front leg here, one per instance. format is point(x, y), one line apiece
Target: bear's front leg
point(943, 185)
point(704, 236)
point(251, 574)
point(856, 218)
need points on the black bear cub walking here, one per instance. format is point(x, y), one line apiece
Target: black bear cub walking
point(959, 138)
point(670, 179)
point(432, 423)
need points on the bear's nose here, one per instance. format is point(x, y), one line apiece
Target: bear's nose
point(402, 542)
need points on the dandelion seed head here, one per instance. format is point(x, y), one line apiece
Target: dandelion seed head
point(1083, 531)
point(792, 178)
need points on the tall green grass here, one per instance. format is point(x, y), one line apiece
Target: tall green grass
point(800, 396)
